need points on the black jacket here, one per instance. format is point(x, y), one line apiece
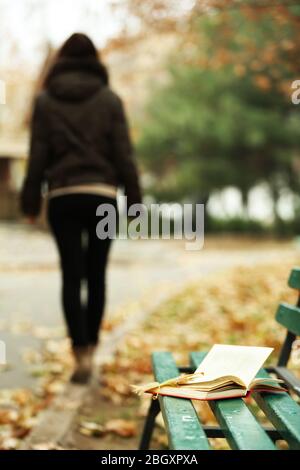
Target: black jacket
point(79, 135)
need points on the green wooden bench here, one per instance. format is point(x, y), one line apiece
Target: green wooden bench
point(237, 424)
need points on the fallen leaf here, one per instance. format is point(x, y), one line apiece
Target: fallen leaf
point(8, 416)
point(121, 427)
point(9, 444)
point(46, 446)
point(89, 428)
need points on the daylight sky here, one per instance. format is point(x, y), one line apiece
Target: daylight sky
point(26, 25)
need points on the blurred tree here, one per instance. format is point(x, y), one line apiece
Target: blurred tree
point(226, 117)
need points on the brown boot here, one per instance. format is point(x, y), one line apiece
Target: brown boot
point(83, 367)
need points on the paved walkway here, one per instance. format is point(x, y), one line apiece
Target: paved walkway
point(139, 271)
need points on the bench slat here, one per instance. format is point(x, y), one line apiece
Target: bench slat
point(182, 422)
point(283, 412)
point(238, 424)
point(294, 279)
point(289, 316)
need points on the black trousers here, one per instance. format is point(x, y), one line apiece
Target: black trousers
point(83, 257)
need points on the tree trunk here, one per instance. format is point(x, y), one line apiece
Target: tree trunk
point(245, 203)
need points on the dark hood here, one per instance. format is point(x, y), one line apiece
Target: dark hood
point(75, 79)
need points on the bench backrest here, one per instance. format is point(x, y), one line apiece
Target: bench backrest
point(289, 316)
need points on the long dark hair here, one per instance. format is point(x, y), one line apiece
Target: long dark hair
point(78, 47)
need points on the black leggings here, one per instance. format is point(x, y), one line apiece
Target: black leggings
point(83, 257)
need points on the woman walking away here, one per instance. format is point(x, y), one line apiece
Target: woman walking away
point(81, 151)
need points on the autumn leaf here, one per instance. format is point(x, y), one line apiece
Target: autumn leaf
point(88, 428)
point(121, 427)
point(262, 82)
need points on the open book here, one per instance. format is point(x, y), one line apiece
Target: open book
point(225, 372)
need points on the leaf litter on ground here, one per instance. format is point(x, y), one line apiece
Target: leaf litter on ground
point(236, 306)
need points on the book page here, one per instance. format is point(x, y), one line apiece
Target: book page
point(240, 361)
point(198, 395)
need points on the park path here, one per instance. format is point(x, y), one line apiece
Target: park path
point(143, 273)
point(140, 272)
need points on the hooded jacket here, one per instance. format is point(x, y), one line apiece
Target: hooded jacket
point(79, 135)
